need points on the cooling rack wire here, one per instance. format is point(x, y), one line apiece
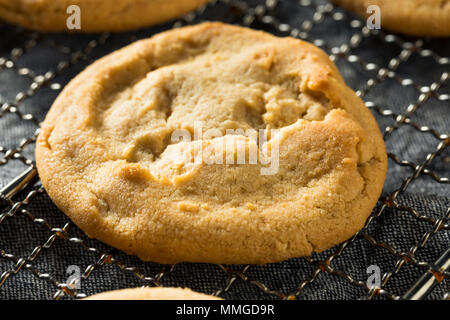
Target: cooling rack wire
point(263, 15)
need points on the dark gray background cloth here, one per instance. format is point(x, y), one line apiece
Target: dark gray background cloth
point(403, 80)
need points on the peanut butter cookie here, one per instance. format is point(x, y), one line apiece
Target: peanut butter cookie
point(111, 157)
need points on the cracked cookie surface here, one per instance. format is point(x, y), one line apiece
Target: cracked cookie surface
point(411, 17)
point(105, 155)
point(96, 15)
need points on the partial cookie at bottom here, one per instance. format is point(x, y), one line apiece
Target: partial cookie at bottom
point(156, 293)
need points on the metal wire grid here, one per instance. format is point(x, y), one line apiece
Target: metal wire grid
point(263, 14)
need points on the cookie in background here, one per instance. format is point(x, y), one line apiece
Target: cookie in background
point(410, 17)
point(94, 15)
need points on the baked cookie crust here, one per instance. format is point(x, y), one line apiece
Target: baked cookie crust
point(104, 156)
point(156, 293)
point(411, 17)
point(96, 15)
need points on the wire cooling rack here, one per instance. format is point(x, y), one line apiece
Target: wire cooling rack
point(402, 81)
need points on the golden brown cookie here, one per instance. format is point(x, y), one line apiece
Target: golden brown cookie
point(157, 293)
point(96, 15)
point(411, 17)
point(108, 158)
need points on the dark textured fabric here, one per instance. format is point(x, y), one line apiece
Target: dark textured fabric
point(426, 195)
